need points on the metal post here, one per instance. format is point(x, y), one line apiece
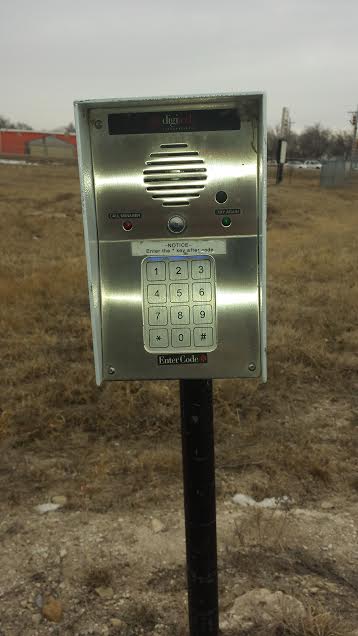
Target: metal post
point(196, 400)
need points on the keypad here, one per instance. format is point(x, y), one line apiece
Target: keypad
point(179, 311)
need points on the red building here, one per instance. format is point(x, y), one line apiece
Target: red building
point(32, 143)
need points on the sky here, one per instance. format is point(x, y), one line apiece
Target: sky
point(302, 53)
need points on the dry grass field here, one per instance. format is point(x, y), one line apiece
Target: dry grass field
point(110, 560)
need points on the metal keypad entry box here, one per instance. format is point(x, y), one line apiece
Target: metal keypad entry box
point(174, 207)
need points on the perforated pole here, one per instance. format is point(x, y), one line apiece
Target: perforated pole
point(196, 399)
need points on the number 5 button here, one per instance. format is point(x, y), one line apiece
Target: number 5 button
point(202, 291)
point(179, 293)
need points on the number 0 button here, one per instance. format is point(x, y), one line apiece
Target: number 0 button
point(202, 291)
point(181, 338)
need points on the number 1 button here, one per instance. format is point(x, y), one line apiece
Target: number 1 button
point(156, 270)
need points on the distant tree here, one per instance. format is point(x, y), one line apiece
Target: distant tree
point(6, 123)
point(341, 144)
point(21, 125)
point(70, 128)
point(315, 141)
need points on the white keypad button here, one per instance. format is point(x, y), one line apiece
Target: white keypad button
point(202, 292)
point(203, 314)
point(158, 316)
point(156, 270)
point(200, 269)
point(178, 270)
point(203, 336)
point(157, 293)
point(180, 338)
point(179, 315)
point(179, 293)
point(158, 338)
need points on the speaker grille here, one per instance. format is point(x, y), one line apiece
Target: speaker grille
point(175, 175)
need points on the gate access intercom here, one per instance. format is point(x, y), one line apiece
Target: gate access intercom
point(174, 207)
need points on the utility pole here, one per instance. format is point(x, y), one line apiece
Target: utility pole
point(282, 143)
point(354, 150)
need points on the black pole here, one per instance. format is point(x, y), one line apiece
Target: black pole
point(196, 401)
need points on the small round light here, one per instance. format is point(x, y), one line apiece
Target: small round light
point(226, 221)
point(127, 225)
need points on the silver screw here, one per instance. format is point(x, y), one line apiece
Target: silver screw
point(98, 123)
point(252, 366)
point(111, 370)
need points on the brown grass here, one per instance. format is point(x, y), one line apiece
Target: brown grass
point(118, 447)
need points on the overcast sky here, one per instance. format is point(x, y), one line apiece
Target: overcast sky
point(302, 53)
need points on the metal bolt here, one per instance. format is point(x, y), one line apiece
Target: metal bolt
point(252, 366)
point(111, 370)
point(98, 123)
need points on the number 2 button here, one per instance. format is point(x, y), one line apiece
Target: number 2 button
point(178, 270)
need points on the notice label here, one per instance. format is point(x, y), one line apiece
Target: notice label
point(178, 247)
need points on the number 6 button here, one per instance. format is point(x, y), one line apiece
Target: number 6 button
point(201, 292)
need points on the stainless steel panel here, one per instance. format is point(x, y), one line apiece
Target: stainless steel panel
point(237, 306)
point(124, 174)
point(230, 161)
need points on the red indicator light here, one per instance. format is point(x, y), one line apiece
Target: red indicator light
point(127, 225)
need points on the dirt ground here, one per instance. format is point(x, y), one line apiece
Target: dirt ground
point(111, 558)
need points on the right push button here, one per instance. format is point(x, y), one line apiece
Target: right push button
point(203, 314)
point(202, 292)
point(200, 269)
point(203, 336)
